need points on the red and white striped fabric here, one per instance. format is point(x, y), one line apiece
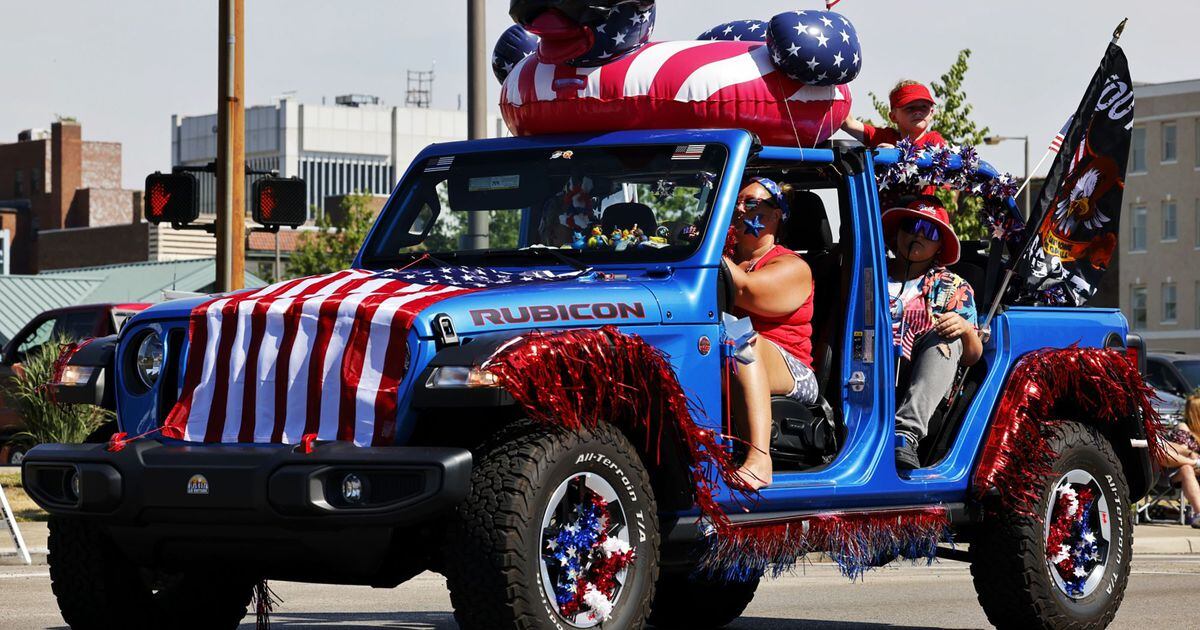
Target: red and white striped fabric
point(674, 85)
point(323, 355)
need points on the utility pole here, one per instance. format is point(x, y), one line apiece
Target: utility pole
point(231, 148)
point(477, 64)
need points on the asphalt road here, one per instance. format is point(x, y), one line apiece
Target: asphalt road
point(900, 597)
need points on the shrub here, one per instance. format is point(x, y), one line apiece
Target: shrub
point(47, 420)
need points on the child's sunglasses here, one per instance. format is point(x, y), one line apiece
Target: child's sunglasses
point(923, 228)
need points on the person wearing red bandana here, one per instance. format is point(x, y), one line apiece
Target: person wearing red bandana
point(773, 286)
point(912, 111)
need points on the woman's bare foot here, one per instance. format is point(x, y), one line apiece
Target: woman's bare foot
point(755, 474)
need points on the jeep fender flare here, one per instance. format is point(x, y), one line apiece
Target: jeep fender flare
point(666, 456)
point(1047, 387)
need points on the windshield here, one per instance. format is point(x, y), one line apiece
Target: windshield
point(1190, 371)
point(607, 204)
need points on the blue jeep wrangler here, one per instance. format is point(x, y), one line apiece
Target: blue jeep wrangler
point(164, 532)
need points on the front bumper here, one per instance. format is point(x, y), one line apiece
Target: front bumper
point(169, 504)
point(153, 482)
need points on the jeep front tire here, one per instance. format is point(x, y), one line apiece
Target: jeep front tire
point(98, 588)
point(1026, 577)
point(503, 562)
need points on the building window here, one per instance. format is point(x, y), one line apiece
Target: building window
point(1137, 308)
point(18, 189)
point(1170, 226)
point(1138, 150)
point(1168, 303)
point(1196, 295)
point(1137, 230)
point(1169, 146)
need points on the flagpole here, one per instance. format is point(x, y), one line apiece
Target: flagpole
point(1120, 29)
point(1008, 273)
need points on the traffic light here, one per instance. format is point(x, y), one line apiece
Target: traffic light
point(172, 198)
point(280, 201)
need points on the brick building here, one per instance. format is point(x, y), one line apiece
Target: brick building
point(1160, 232)
point(55, 180)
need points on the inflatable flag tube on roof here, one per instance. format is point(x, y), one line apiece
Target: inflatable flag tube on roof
point(678, 84)
point(590, 68)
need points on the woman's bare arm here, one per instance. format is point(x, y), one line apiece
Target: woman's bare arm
point(776, 289)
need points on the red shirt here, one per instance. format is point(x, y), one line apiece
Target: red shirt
point(874, 136)
point(792, 332)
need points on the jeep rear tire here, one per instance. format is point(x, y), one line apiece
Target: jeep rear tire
point(1020, 585)
point(526, 484)
point(685, 601)
point(97, 587)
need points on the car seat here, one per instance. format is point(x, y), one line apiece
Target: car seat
point(810, 435)
point(625, 215)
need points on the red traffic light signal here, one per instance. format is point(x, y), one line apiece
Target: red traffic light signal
point(171, 198)
point(280, 201)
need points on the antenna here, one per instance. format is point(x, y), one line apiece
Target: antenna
point(420, 88)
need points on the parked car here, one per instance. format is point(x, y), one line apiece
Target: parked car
point(71, 322)
point(1175, 372)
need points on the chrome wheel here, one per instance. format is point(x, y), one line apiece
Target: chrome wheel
point(585, 549)
point(1077, 529)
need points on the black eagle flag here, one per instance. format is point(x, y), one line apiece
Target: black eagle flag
point(1073, 227)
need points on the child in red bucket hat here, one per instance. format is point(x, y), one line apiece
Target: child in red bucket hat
point(933, 316)
point(911, 110)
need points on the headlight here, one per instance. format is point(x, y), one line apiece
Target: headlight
point(457, 376)
point(148, 363)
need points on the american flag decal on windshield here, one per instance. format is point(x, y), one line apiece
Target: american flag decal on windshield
point(688, 152)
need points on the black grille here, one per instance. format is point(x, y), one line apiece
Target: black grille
point(168, 388)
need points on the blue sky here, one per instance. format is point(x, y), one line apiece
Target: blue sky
point(122, 68)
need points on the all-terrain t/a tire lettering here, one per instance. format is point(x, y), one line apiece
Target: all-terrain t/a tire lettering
point(1015, 582)
point(494, 554)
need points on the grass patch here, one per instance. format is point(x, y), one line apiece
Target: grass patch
point(22, 506)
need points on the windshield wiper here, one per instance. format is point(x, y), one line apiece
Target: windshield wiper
point(556, 254)
point(413, 257)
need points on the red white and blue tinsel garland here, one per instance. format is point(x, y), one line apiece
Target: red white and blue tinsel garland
point(584, 561)
point(574, 379)
point(856, 541)
point(1071, 546)
point(1092, 386)
point(908, 177)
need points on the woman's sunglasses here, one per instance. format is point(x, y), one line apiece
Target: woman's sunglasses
point(751, 204)
point(920, 227)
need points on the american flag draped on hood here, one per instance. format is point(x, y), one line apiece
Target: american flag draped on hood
point(322, 355)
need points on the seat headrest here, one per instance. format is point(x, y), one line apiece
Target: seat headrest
point(808, 228)
point(625, 215)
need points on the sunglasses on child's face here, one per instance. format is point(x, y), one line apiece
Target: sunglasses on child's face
point(920, 227)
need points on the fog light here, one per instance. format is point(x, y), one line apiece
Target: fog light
point(352, 488)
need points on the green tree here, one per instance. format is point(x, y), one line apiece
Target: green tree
point(334, 245)
point(954, 120)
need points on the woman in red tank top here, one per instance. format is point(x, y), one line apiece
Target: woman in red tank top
point(774, 288)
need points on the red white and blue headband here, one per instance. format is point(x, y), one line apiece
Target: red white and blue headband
point(776, 194)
